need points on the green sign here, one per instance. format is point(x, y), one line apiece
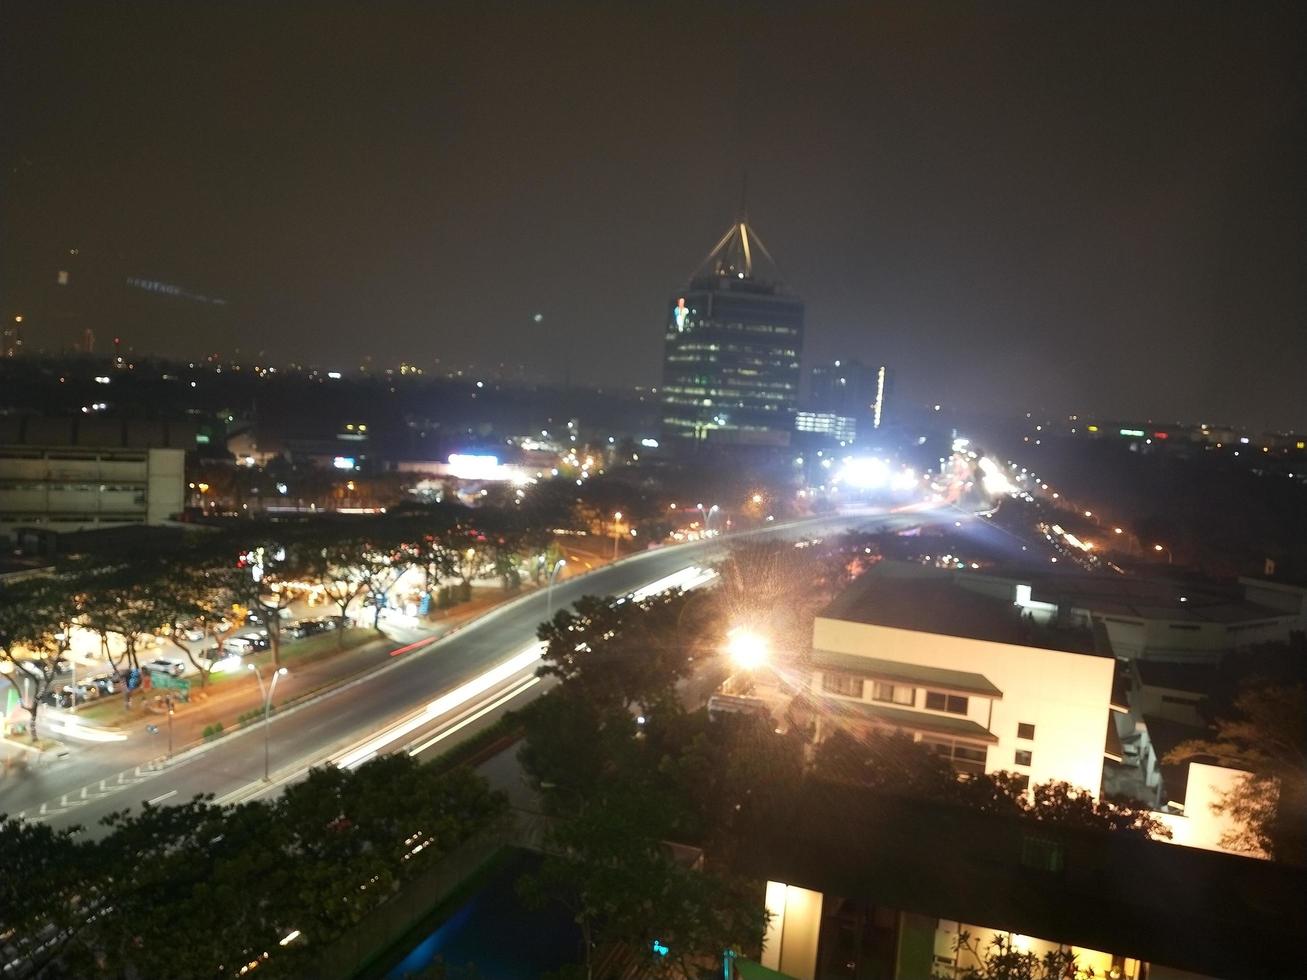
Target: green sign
point(162, 680)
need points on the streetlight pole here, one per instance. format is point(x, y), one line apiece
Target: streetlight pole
point(169, 703)
point(617, 516)
point(549, 592)
point(267, 711)
point(1162, 547)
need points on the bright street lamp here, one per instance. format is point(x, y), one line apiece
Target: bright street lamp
point(549, 592)
point(747, 649)
point(1162, 547)
point(267, 709)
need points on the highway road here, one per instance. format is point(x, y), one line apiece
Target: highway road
point(424, 700)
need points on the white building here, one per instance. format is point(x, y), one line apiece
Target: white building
point(75, 488)
point(912, 649)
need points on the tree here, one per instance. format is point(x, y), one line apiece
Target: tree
point(199, 889)
point(33, 637)
point(46, 893)
point(1000, 960)
point(623, 654)
point(263, 573)
point(335, 567)
point(608, 865)
point(893, 763)
point(123, 600)
point(1266, 734)
point(735, 775)
point(381, 561)
point(435, 555)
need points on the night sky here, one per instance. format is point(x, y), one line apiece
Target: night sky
point(1098, 209)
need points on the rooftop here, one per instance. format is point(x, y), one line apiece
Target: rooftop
point(959, 681)
point(908, 719)
point(1196, 677)
point(1146, 598)
point(925, 600)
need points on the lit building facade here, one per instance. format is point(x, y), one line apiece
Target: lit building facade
point(910, 649)
point(74, 489)
point(733, 343)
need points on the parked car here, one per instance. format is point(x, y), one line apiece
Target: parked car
point(237, 646)
point(162, 665)
point(57, 699)
point(85, 692)
point(257, 641)
point(193, 632)
point(104, 682)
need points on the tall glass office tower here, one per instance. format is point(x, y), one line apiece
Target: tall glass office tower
point(733, 343)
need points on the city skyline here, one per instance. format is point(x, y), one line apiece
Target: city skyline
point(1070, 214)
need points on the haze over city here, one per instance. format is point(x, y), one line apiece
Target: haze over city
point(1029, 209)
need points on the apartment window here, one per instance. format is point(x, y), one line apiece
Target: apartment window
point(845, 684)
point(964, 757)
point(954, 704)
point(1023, 757)
point(894, 693)
point(1025, 730)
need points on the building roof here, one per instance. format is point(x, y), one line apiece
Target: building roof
point(1196, 677)
point(913, 597)
point(1212, 913)
point(1148, 598)
point(739, 254)
point(907, 719)
point(959, 681)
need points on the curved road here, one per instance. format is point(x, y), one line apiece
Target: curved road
point(423, 699)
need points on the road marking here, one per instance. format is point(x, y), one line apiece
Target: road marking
point(530, 681)
point(159, 799)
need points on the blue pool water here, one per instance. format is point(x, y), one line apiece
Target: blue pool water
point(497, 935)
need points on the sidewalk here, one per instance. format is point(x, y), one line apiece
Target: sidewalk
point(314, 664)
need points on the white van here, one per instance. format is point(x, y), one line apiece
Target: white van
point(239, 646)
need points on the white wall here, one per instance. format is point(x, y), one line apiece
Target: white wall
point(790, 944)
point(1199, 826)
point(1066, 696)
point(167, 484)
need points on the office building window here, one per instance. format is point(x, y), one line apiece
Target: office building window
point(894, 693)
point(954, 704)
point(846, 684)
point(1023, 757)
point(1025, 730)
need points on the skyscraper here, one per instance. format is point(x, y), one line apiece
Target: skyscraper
point(733, 342)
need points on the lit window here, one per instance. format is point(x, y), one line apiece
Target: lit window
point(894, 693)
point(954, 704)
point(845, 684)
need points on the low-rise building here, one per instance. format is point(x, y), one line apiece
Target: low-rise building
point(62, 475)
point(912, 649)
